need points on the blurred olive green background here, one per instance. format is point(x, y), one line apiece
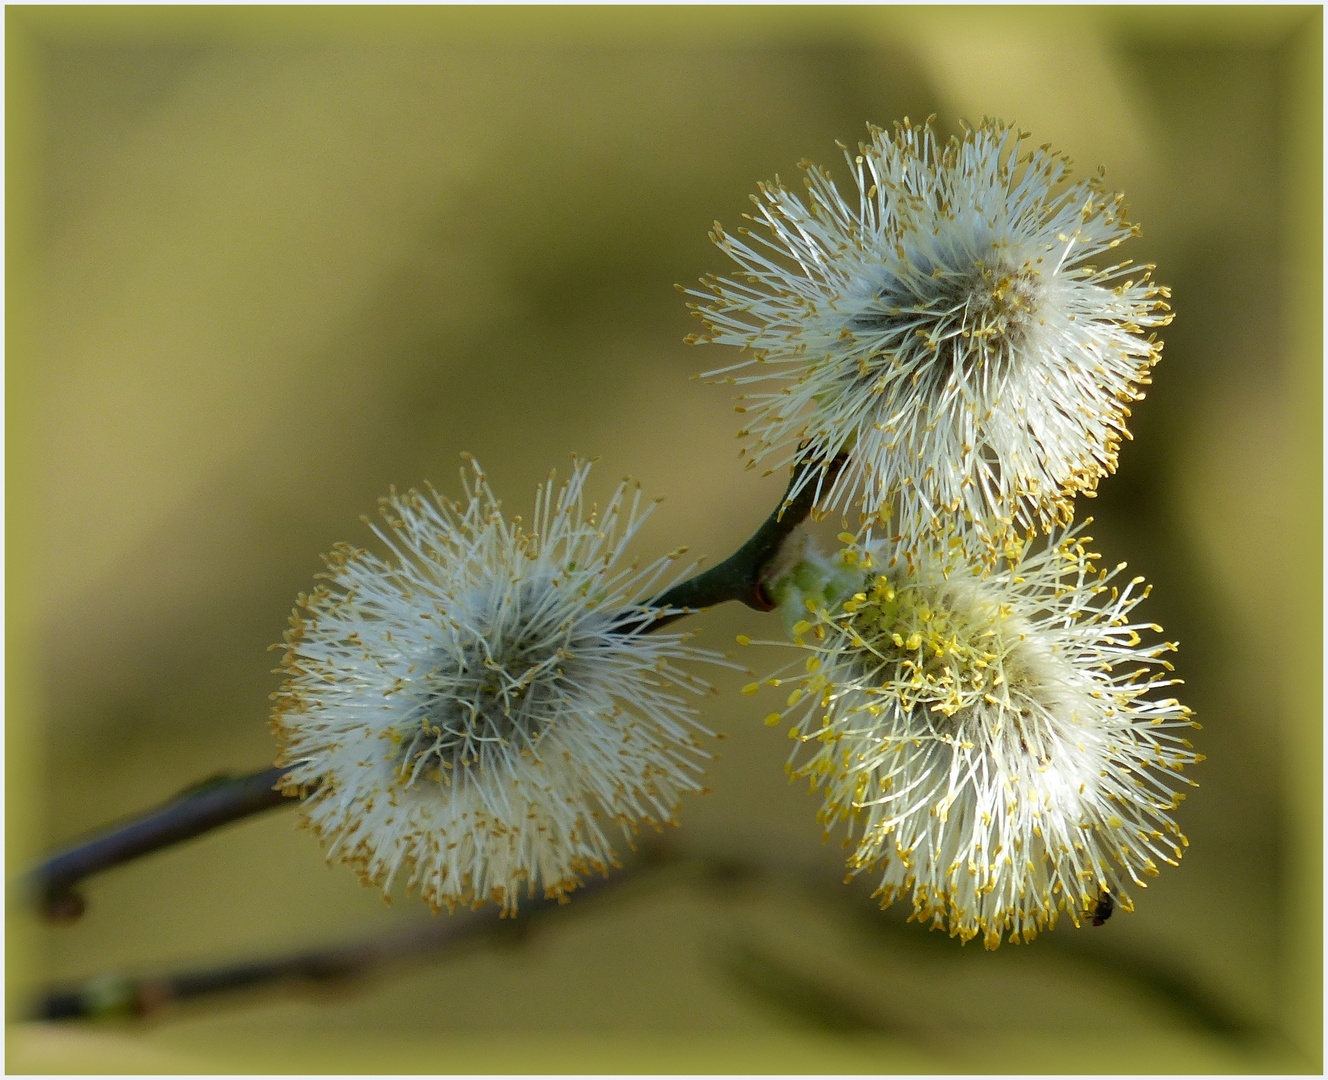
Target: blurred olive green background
point(264, 264)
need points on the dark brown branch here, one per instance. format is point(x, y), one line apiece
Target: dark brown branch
point(196, 810)
point(225, 799)
point(742, 576)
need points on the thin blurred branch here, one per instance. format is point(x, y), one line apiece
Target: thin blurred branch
point(1197, 1004)
point(131, 995)
point(802, 998)
point(758, 971)
point(198, 809)
point(224, 799)
point(115, 995)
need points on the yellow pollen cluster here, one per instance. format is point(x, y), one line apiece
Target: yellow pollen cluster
point(942, 655)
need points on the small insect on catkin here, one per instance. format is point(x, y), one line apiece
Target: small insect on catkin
point(991, 737)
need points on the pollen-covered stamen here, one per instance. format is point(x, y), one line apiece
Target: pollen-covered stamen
point(943, 323)
point(923, 638)
point(1000, 309)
